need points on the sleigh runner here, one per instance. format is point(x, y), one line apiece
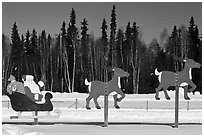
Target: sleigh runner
point(36, 116)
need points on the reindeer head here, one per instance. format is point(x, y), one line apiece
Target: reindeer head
point(188, 62)
point(191, 63)
point(120, 73)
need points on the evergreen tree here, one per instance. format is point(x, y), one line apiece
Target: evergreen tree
point(63, 29)
point(84, 54)
point(27, 41)
point(184, 37)
point(104, 41)
point(112, 45)
point(127, 59)
point(28, 52)
point(84, 44)
point(146, 84)
point(176, 46)
point(65, 80)
point(192, 39)
point(49, 70)
point(35, 56)
point(16, 52)
point(119, 52)
point(104, 38)
point(23, 56)
point(193, 52)
point(173, 48)
point(119, 46)
point(44, 54)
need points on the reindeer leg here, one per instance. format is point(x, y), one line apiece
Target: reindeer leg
point(186, 93)
point(193, 86)
point(157, 92)
point(88, 100)
point(115, 101)
point(96, 102)
point(166, 94)
point(120, 92)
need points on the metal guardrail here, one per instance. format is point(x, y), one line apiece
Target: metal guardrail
point(139, 104)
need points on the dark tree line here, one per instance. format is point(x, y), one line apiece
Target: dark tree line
point(64, 61)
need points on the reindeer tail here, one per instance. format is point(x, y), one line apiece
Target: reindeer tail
point(86, 82)
point(157, 73)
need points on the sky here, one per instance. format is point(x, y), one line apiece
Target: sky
point(151, 17)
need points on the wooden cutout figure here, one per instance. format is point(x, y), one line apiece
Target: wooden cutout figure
point(167, 78)
point(15, 86)
point(32, 90)
point(96, 88)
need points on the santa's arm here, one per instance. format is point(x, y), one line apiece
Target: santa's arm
point(41, 84)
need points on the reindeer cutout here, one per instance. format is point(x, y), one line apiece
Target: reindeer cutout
point(96, 88)
point(167, 78)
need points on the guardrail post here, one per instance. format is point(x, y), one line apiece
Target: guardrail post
point(188, 105)
point(147, 105)
point(35, 117)
point(106, 106)
point(76, 103)
point(177, 102)
point(8, 104)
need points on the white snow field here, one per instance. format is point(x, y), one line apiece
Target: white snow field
point(138, 115)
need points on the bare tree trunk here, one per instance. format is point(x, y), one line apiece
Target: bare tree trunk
point(67, 79)
point(74, 69)
point(74, 66)
point(134, 80)
point(138, 79)
point(92, 63)
point(5, 68)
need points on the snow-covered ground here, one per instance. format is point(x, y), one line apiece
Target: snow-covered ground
point(92, 129)
point(139, 114)
point(122, 121)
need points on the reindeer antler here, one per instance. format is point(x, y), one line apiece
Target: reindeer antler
point(179, 59)
point(108, 68)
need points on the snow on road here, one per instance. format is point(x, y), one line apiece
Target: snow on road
point(115, 115)
point(121, 122)
point(91, 129)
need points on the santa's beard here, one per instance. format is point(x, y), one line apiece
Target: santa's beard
point(34, 88)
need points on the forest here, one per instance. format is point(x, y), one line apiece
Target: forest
point(64, 61)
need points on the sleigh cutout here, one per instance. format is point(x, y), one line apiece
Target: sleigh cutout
point(21, 103)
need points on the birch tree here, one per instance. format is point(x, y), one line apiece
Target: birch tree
point(136, 60)
point(73, 38)
point(6, 49)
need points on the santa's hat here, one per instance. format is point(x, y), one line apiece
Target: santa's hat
point(11, 78)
